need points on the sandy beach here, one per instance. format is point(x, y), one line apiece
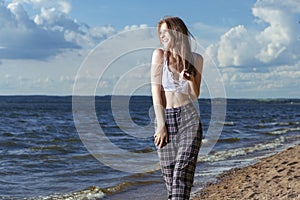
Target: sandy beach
point(276, 177)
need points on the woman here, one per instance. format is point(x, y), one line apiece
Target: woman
point(175, 84)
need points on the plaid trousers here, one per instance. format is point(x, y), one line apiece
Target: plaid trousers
point(178, 157)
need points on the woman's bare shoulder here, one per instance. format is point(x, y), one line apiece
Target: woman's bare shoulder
point(198, 60)
point(158, 53)
point(158, 56)
point(198, 57)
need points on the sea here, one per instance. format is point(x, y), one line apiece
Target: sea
point(49, 151)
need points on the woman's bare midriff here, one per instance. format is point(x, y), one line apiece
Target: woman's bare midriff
point(175, 99)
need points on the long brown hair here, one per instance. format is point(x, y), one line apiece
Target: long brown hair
point(180, 43)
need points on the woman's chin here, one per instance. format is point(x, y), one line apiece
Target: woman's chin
point(166, 45)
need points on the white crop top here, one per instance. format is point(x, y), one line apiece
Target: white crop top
point(169, 84)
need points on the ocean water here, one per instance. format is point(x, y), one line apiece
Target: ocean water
point(43, 155)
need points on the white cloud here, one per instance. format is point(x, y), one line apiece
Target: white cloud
point(119, 64)
point(53, 77)
point(278, 36)
point(58, 75)
point(49, 32)
point(134, 27)
point(276, 43)
point(63, 6)
point(269, 53)
point(282, 79)
point(262, 62)
point(235, 53)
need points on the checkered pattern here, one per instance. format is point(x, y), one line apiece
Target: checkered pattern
point(179, 156)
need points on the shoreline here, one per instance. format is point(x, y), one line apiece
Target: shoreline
point(272, 177)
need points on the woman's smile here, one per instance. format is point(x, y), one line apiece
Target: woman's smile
point(164, 34)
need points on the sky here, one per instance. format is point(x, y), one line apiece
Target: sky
point(47, 47)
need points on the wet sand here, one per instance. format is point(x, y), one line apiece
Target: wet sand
point(276, 177)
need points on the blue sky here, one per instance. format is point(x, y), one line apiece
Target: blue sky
point(254, 44)
point(122, 13)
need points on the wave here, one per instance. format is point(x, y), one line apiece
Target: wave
point(93, 192)
point(125, 185)
point(90, 193)
point(288, 123)
point(225, 154)
point(229, 123)
point(98, 193)
point(272, 124)
point(282, 131)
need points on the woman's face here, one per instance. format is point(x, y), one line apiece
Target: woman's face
point(164, 35)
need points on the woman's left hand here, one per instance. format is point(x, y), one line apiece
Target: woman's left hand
point(186, 76)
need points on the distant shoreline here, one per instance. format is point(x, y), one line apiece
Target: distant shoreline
point(107, 96)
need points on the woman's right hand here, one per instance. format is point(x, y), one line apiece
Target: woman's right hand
point(161, 137)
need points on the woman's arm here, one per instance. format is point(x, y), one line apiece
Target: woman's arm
point(195, 81)
point(160, 135)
